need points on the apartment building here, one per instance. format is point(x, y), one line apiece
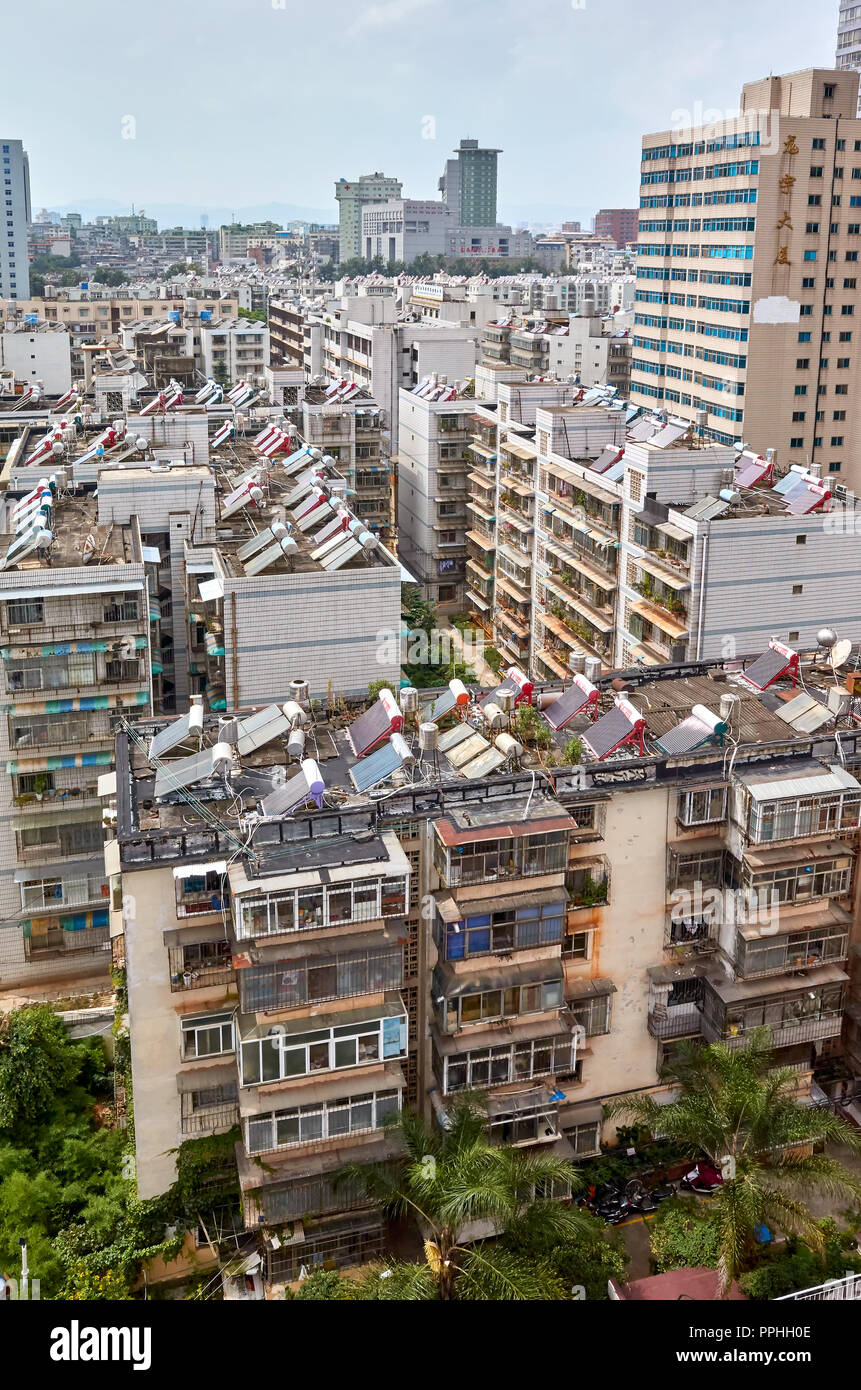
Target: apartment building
point(78, 641)
point(350, 433)
point(14, 263)
point(849, 38)
point(433, 437)
point(618, 225)
point(37, 352)
point(585, 347)
point(469, 184)
point(352, 197)
point(561, 963)
point(403, 228)
point(234, 349)
point(767, 226)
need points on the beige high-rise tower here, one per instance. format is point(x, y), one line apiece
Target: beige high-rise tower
point(748, 314)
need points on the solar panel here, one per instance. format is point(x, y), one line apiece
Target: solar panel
point(484, 764)
point(685, 737)
point(443, 704)
point(788, 483)
point(260, 728)
point(249, 548)
point(313, 518)
point(563, 710)
point(333, 525)
point(804, 500)
point(607, 733)
point(294, 461)
point(288, 797)
point(467, 749)
point(184, 772)
point(369, 728)
point(752, 472)
point(452, 737)
point(349, 552)
point(766, 669)
point(260, 562)
point(303, 485)
point(168, 738)
point(804, 713)
point(371, 770)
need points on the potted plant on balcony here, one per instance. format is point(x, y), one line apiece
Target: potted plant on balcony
point(40, 786)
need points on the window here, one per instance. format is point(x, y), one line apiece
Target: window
point(814, 200)
point(808, 282)
point(804, 337)
point(305, 1124)
point(802, 363)
point(208, 1035)
point(796, 441)
point(799, 414)
point(21, 612)
point(801, 390)
point(843, 362)
point(800, 540)
point(812, 227)
point(29, 783)
point(702, 807)
point(810, 255)
point(122, 609)
point(816, 171)
point(837, 441)
point(327, 1049)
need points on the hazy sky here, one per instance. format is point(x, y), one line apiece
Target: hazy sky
point(240, 102)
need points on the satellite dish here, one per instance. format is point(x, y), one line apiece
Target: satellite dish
point(840, 652)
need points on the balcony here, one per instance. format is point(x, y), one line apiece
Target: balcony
point(59, 943)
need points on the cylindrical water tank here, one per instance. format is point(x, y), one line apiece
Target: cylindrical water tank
point(296, 743)
point(592, 668)
point(314, 777)
point(299, 690)
point(195, 715)
point(293, 711)
point(401, 747)
point(369, 541)
point(508, 745)
point(494, 716)
point(289, 546)
point(409, 698)
point(577, 661)
point(278, 529)
point(222, 757)
point(505, 700)
point(546, 698)
point(428, 737)
point(459, 691)
point(728, 703)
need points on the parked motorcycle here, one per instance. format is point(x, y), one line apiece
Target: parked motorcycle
point(639, 1198)
point(703, 1179)
point(661, 1192)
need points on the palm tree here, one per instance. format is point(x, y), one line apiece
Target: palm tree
point(734, 1104)
point(453, 1177)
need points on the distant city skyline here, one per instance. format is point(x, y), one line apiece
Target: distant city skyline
point(280, 106)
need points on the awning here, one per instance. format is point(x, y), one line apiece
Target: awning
point(455, 984)
point(341, 1086)
point(653, 614)
point(73, 868)
point(587, 1112)
point(519, 595)
point(451, 911)
point(518, 450)
point(87, 702)
point(502, 1036)
point(669, 528)
point(64, 648)
point(220, 1075)
point(478, 538)
point(211, 589)
point(151, 555)
point(479, 602)
point(218, 866)
point(83, 586)
point(56, 762)
point(588, 989)
point(819, 784)
point(673, 581)
point(196, 934)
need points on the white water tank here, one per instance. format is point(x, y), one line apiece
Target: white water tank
point(577, 661)
point(293, 711)
point(494, 716)
point(299, 691)
point(296, 743)
point(428, 738)
point(593, 668)
point(409, 699)
point(508, 745)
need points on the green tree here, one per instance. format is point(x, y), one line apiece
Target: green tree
point(452, 1177)
point(37, 1062)
point(739, 1108)
point(107, 275)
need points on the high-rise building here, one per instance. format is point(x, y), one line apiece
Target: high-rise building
point(749, 238)
point(468, 185)
point(351, 198)
point(617, 224)
point(849, 38)
point(14, 266)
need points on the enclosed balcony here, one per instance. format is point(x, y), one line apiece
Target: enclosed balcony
point(807, 1011)
point(802, 939)
point(311, 1045)
point(504, 995)
point(517, 852)
point(798, 803)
